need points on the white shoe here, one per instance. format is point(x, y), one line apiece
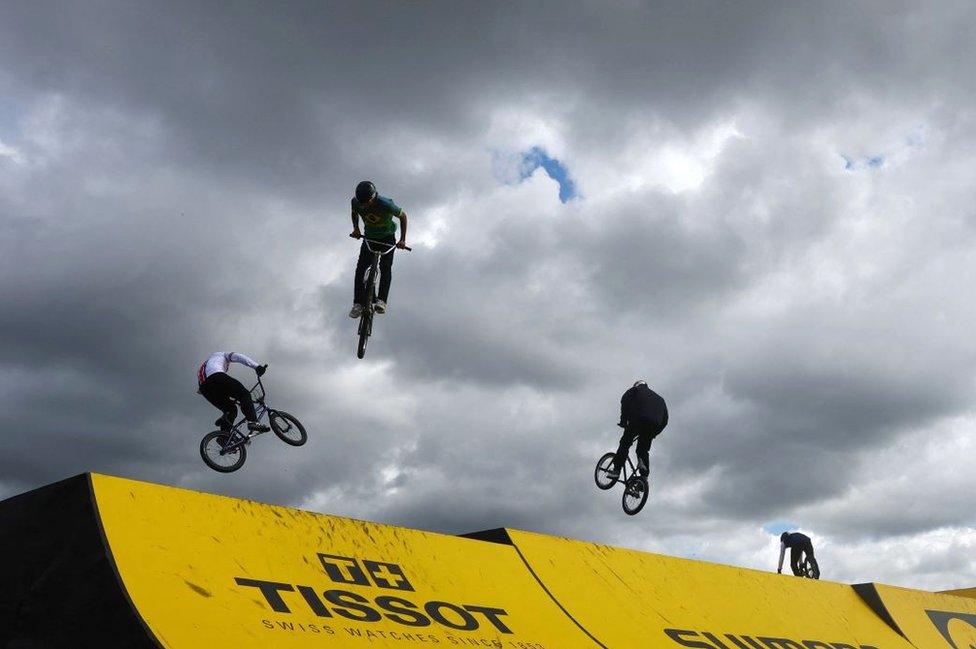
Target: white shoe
point(379, 306)
point(356, 310)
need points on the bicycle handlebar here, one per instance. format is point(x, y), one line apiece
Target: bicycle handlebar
point(391, 246)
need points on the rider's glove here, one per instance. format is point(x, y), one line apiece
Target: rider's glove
point(260, 370)
point(621, 424)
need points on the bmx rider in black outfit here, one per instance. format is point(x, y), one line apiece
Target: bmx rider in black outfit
point(798, 545)
point(643, 415)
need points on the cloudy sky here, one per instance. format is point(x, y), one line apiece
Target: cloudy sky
point(764, 209)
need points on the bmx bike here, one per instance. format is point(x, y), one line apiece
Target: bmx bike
point(809, 568)
point(635, 484)
point(226, 450)
point(369, 285)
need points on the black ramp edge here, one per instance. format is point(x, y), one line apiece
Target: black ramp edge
point(59, 588)
point(555, 601)
point(497, 535)
point(872, 598)
point(501, 535)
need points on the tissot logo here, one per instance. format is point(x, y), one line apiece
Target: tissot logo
point(958, 629)
point(372, 605)
point(347, 570)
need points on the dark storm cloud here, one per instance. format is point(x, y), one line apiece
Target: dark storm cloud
point(177, 181)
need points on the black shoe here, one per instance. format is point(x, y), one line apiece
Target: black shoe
point(257, 427)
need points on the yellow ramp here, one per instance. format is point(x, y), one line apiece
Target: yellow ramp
point(961, 592)
point(625, 598)
point(928, 620)
point(209, 571)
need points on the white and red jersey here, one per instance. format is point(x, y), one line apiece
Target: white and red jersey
point(220, 361)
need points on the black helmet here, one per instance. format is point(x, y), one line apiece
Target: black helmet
point(783, 537)
point(365, 191)
point(640, 382)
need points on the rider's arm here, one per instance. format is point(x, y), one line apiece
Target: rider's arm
point(782, 553)
point(403, 228)
point(234, 357)
point(355, 224)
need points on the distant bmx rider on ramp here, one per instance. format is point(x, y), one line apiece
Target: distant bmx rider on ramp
point(643, 415)
point(222, 390)
point(799, 544)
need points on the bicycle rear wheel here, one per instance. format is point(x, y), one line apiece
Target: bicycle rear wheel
point(210, 450)
point(635, 494)
point(287, 428)
point(600, 474)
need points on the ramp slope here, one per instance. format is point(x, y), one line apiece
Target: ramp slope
point(97, 561)
point(933, 620)
point(961, 592)
point(625, 598)
point(211, 571)
point(59, 588)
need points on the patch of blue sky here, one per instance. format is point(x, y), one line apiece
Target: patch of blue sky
point(537, 157)
point(865, 162)
point(778, 527)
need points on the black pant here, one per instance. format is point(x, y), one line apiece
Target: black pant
point(799, 549)
point(222, 390)
point(645, 431)
point(386, 269)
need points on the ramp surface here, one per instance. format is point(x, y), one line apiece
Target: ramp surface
point(96, 561)
point(928, 620)
point(961, 592)
point(625, 598)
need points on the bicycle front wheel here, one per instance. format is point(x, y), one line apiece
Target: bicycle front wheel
point(287, 428)
point(601, 473)
point(635, 494)
point(366, 322)
point(211, 447)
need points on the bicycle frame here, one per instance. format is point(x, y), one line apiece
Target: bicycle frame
point(627, 472)
point(390, 247)
point(374, 268)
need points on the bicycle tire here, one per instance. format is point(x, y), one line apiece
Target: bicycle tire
point(364, 327)
point(366, 320)
point(274, 417)
point(806, 569)
point(600, 472)
point(635, 494)
point(220, 438)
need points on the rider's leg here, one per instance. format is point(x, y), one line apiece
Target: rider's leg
point(365, 259)
point(213, 392)
point(386, 270)
point(814, 566)
point(795, 553)
point(644, 440)
point(625, 442)
point(235, 390)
